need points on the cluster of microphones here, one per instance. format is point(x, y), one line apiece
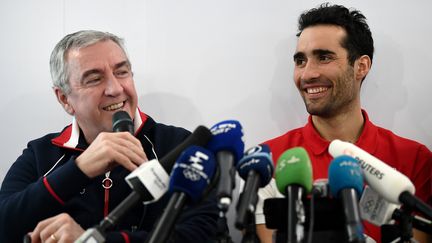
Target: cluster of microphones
point(209, 159)
point(359, 187)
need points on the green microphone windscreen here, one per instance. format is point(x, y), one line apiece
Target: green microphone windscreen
point(294, 168)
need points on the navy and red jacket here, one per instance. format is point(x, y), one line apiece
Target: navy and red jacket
point(45, 181)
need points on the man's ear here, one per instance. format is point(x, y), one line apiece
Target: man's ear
point(63, 100)
point(362, 67)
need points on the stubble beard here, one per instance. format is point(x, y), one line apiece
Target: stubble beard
point(340, 100)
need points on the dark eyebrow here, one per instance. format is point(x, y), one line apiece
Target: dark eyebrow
point(298, 55)
point(316, 52)
point(320, 52)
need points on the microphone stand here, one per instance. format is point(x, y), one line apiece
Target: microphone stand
point(417, 222)
point(250, 235)
point(405, 226)
point(401, 233)
point(222, 234)
point(296, 214)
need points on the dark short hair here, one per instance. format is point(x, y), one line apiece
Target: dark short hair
point(359, 39)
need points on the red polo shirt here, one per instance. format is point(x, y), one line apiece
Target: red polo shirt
point(407, 156)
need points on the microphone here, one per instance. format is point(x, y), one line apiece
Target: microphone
point(293, 176)
point(346, 182)
point(228, 146)
point(190, 177)
point(320, 188)
point(122, 122)
point(149, 182)
point(381, 177)
point(256, 168)
point(378, 211)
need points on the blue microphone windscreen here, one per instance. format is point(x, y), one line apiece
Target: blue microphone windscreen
point(260, 162)
point(345, 172)
point(192, 172)
point(227, 136)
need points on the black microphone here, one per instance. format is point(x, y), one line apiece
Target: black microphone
point(228, 146)
point(152, 188)
point(256, 168)
point(190, 177)
point(122, 122)
point(346, 183)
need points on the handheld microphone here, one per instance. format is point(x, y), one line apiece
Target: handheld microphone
point(149, 182)
point(190, 177)
point(346, 183)
point(381, 177)
point(256, 168)
point(122, 122)
point(228, 146)
point(293, 176)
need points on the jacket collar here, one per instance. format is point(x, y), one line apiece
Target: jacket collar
point(367, 140)
point(72, 138)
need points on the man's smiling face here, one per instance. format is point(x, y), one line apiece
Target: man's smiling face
point(325, 79)
point(101, 83)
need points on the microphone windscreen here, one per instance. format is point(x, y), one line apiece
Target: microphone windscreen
point(259, 162)
point(227, 136)
point(378, 175)
point(344, 173)
point(192, 172)
point(294, 168)
point(122, 122)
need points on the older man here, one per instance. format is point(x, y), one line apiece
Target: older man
point(66, 182)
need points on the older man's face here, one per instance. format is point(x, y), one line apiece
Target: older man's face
point(101, 83)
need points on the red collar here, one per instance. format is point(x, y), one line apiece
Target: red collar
point(367, 140)
point(70, 136)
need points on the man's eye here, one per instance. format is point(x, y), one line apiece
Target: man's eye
point(122, 73)
point(325, 58)
point(92, 81)
point(299, 61)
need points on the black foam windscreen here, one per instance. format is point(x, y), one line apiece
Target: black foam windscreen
point(328, 214)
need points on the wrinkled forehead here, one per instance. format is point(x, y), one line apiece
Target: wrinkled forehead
point(99, 56)
point(96, 50)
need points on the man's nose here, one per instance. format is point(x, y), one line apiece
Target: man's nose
point(114, 86)
point(310, 71)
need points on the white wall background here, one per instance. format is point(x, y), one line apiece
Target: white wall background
point(200, 62)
